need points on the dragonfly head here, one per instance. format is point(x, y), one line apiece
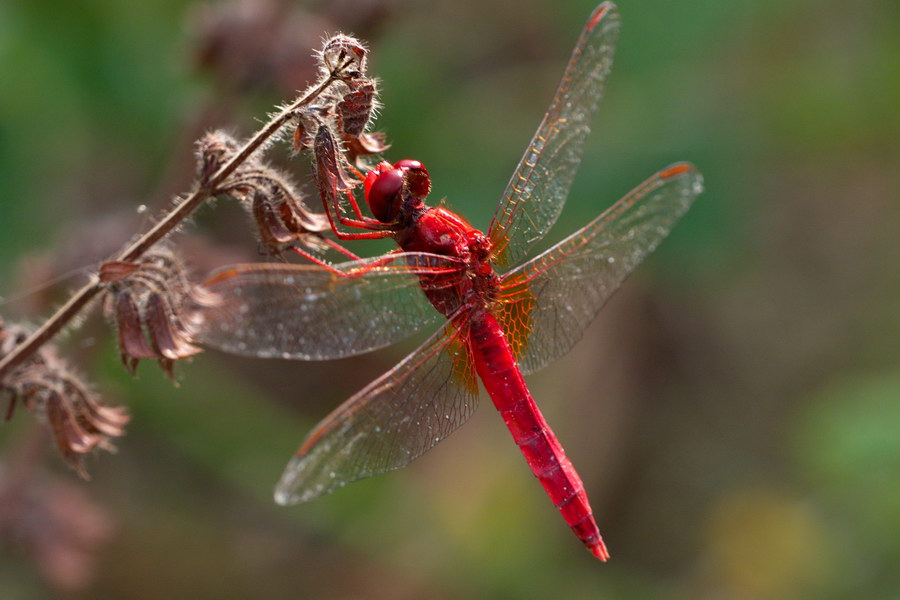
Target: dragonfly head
point(385, 185)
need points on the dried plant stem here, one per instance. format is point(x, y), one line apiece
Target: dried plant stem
point(170, 221)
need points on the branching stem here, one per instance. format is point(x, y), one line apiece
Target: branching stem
point(170, 221)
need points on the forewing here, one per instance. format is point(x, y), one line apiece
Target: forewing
point(535, 195)
point(310, 313)
point(388, 424)
point(546, 304)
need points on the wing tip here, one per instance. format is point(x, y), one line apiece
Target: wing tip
point(284, 497)
point(677, 169)
point(602, 10)
point(683, 170)
point(286, 489)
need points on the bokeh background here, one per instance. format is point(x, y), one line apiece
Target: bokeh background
point(734, 411)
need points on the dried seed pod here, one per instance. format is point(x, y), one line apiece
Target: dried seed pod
point(212, 151)
point(343, 57)
point(280, 224)
point(282, 220)
point(301, 136)
point(353, 103)
point(330, 160)
point(46, 386)
point(145, 300)
point(365, 144)
point(355, 108)
point(308, 121)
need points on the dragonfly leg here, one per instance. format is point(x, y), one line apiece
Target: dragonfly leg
point(362, 222)
point(322, 263)
point(335, 246)
point(357, 272)
point(374, 229)
point(353, 203)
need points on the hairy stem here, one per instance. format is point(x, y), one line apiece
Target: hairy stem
point(170, 221)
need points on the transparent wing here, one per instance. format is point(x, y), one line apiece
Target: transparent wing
point(308, 312)
point(535, 195)
point(395, 419)
point(547, 303)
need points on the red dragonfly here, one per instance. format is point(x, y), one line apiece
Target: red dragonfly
point(497, 326)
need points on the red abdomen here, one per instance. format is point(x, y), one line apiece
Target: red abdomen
point(500, 374)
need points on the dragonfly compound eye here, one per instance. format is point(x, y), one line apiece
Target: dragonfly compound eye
point(383, 194)
point(418, 181)
point(408, 163)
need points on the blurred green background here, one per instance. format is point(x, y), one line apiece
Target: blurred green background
point(734, 411)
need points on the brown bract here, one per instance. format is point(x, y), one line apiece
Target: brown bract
point(145, 289)
point(281, 218)
point(354, 113)
point(144, 300)
point(365, 144)
point(356, 106)
point(46, 386)
point(329, 162)
point(344, 57)
point(347, 107)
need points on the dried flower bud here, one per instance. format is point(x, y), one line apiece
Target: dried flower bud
point(144, 300)
point(282, 220)
point(308, 121)
point(356, 106)
point(330, 161)
point(213, 150)
point(301, 136)
point(354, 113)
point(46, 386)
point(343, 57)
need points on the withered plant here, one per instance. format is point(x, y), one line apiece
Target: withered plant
point(145, 289)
